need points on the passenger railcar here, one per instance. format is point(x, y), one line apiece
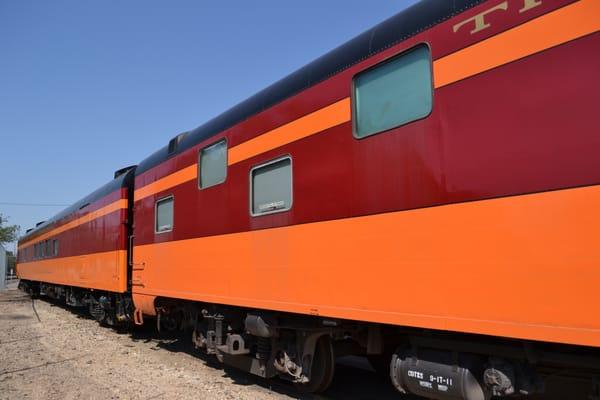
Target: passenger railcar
point(82, 253)
point(425, 195)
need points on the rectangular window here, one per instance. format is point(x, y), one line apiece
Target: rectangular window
point(271, 187)
point(393, 93)
point(164, 215)
point(212, 164)
point(42, 250)
point(55, 247)
point(35, 251)
point(48, 248)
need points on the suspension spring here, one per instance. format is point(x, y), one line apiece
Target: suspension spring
point(263, 348)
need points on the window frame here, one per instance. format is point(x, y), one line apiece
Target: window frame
point(375, 66)
point(251, 186)
point(156, 232)
point(224, 139)
point(55, 247)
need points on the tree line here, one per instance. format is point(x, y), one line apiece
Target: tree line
point(9, 234)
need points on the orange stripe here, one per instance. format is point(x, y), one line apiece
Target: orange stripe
point(169, 181)
point(549, 30)
point(315, 122)
point(117, 205)
point(447, 267)
point(106, 270)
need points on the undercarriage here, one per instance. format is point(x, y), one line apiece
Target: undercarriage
point(432, 364)
point(113, 309)
point(303, 349)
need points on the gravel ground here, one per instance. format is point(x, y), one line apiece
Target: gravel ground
point(48, 351)
point(66, 355)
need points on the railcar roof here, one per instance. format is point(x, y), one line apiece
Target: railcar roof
point(117, 183)
point(401, 26)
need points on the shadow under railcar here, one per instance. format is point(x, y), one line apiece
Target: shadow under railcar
point(354, 378)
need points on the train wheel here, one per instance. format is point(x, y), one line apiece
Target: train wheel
point(323, 368)
point(97, 311)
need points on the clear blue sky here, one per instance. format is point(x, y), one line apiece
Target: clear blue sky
point(87, 87)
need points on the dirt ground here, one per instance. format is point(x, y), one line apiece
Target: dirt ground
point(48, 351)
point(66, 355)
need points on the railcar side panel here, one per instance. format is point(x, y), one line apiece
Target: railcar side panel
point(101, 271)
point(92, 248)
point(515, 267)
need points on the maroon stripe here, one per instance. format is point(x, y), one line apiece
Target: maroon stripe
point(105, 233)
point(525, 127)
point(441, 38)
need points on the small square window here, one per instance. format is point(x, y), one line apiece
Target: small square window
point(212, 164)
point(271, 187)
point(164, 215)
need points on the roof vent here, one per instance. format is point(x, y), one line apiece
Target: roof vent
point(28, 230)
point(39, 223)
point(174, 143)
point(124, 170)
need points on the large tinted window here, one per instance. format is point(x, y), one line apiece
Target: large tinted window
point(393, 93)
point(271, 186)
point(213, 164)
point(164, 215)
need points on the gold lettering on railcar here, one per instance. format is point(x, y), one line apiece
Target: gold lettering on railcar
point(480, 22)
point(529, 4)
point(479, 19)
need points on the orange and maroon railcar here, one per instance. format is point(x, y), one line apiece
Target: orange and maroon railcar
point(81, 254)
point(425, 195)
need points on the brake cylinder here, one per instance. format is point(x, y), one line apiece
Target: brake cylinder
point(439, 375)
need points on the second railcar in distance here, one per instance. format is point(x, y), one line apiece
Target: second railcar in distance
point(82, 254)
